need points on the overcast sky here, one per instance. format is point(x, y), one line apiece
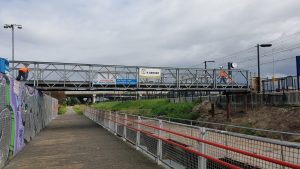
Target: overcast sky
point(142, 32)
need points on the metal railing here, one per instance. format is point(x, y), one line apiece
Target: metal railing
point(76, 76)
point(176, 145)
point(282, 84)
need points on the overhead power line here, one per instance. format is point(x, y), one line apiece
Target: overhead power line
point(268, 55)
point(279, 60)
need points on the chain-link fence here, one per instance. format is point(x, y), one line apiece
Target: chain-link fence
point(176, 145)
point(24, 112)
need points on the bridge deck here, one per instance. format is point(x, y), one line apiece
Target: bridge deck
point(73, 141)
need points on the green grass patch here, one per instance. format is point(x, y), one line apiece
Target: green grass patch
point(62, 109)
point(154, 107)
point(78, 109)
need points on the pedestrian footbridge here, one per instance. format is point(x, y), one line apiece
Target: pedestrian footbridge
point(77, 76)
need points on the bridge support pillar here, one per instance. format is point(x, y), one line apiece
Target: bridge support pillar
point(228, 99)
point(94, 98)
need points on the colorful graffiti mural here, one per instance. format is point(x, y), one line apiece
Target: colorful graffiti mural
point(24, 112)
point(5, 120)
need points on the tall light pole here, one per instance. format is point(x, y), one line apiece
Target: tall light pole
point(207, 61)
point(12, 27)
point(205, 67)
point(258, 62)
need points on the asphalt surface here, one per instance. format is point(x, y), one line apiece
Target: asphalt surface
point(73, 142)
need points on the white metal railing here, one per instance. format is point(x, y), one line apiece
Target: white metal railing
point(177, 145)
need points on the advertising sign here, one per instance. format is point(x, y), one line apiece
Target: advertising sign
point(150, 73)
point(104, 81)
point(126, 81)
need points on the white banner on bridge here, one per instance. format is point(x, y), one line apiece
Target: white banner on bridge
point(107, 79)
point(150, 73)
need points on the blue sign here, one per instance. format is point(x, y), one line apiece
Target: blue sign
point(4, 65)
point(298, 65)
point(126, 81)
point(104, 82)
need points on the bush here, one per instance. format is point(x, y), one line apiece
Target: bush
point(78, 109)
point(154, 107)
point(62, 109)
point(71, 101)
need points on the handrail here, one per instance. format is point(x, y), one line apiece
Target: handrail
point(283, 163)
point(85, 64)
point(225, 125)
point(178, 145)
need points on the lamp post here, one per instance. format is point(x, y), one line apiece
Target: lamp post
point(12, 27)
point(207, 61)
point(205, 67)
point(258, 63)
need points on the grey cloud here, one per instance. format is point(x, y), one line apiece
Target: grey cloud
point(150, 32)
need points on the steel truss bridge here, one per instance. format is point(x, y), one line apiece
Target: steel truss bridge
point(75, 76)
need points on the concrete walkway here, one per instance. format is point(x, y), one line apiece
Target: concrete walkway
point(72, 141)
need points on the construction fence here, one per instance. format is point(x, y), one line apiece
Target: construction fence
point(176, 145)
point(24, 111)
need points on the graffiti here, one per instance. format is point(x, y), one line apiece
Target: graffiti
point(24, 113)
point(2, 92)
point(4, 122)
point(4, 135)
point(15, 103)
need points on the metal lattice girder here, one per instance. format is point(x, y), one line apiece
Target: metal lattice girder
point(76, 76)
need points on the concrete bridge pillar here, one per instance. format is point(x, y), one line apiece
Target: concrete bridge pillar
point(94, 98)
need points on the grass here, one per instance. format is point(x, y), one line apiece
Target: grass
point(154, 107)
point(62, 109)
point(78, 109)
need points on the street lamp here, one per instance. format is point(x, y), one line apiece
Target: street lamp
point(12, 26)
point(258, 62)
point(207, 61)
point(205, 67)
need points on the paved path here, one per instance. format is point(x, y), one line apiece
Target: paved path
point(72, 141)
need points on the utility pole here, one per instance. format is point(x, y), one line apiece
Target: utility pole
point(12, 26)
point(207, 61)
point(258, 63)
point(205, 67)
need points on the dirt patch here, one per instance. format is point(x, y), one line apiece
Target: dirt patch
point(285, 119)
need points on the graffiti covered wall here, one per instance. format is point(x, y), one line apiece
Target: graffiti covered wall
point(24, 111)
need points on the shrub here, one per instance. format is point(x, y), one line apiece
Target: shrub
point(78, 109)
point(62, 109)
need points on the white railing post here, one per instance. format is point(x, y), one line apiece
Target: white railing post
point(116, 124)
point(109, 121)
point(159, 144)
point(94, 114)
point(101, 114)
point(105, 121)
point(138, 134)
point(202, 149)
point(125, 128)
